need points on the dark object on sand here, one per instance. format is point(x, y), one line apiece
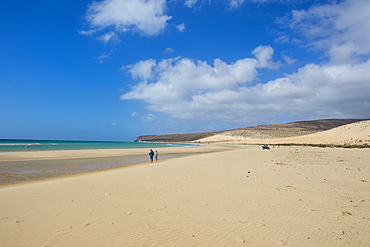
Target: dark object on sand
point(265, 147)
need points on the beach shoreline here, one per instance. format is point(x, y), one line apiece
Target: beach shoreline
point(33, 166)
point(100, 153)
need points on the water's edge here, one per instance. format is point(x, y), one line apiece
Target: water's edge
point(18, 172)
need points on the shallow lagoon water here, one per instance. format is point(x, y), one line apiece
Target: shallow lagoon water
point(19, 171)
point(12, 172)
point(43, 145)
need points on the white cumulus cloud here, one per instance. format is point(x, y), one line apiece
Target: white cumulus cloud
point(341, 29)
point(112, 17)
point(181, 27)
point(141, 70)
point(227, 92)
point(233, 92)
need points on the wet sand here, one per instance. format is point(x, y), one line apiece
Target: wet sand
point(31, 166)
point(14, 172)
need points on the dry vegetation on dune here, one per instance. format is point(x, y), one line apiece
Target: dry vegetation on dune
point(350, 135)
point(257, 132)
point(266, 133)
point(299, 128)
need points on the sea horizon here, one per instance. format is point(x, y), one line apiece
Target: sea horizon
point(14, 145)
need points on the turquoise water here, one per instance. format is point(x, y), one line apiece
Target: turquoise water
point(39, 145)
point(19, 171)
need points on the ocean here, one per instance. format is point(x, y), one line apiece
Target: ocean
point(7, 145)
point(14, 172)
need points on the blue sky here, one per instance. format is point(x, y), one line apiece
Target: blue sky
point(117, 69)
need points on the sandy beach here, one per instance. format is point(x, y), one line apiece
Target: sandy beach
point(237, 196)
point(222, 194)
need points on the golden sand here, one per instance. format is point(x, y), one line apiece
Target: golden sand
point(240, 195)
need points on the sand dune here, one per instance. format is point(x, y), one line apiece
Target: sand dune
point(257, 132)
point(350, 134)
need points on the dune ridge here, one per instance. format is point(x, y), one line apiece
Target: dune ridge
point(257, 132)
point(357, 133)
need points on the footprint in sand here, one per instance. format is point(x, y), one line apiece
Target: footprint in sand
point(60, 233)
point(346, 213)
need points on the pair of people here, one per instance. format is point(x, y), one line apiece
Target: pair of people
point(152, 154)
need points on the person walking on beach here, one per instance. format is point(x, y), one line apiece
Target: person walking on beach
point(151, 154)
point(156, 155)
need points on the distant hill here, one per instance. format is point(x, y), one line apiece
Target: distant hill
point(257, 132)
point(175, 137)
